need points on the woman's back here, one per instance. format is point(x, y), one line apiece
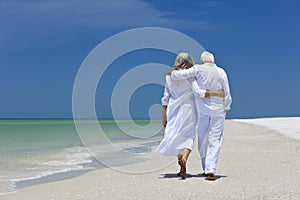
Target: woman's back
point(177, 88)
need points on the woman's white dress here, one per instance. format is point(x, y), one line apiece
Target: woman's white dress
point(181, 117)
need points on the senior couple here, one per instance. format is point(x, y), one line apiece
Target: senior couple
point(196, 98)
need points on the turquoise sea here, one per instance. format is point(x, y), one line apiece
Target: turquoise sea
point(35, 150)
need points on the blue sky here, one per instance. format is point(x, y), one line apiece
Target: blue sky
point(43, 43)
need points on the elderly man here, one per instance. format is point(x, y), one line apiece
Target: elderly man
point(211, 111)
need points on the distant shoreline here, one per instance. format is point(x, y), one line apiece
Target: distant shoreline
point(78, 118)
point(108, 118)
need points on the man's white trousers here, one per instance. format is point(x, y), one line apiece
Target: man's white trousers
point(210, 132)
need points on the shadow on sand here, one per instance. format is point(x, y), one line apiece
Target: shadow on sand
point(189, 176)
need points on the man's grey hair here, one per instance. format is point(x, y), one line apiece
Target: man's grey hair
point(207, 57)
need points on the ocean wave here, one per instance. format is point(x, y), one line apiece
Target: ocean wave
point(73, 156)
point(44, 165)
point(7, 187)
point(46, 173)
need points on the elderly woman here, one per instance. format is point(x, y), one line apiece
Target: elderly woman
point(179, 114)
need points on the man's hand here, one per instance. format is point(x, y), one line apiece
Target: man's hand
point(170, 72)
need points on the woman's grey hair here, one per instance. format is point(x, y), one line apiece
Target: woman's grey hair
point(207, 57)
point(183, 61)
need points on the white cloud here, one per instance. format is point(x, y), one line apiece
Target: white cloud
point(105, 14)
point(33, 23)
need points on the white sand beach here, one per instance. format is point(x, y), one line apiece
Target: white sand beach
point(289, 126)
point(255, 163)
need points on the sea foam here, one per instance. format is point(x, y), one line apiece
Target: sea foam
point(67, 160)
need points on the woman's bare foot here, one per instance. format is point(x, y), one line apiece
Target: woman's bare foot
point(182, 172)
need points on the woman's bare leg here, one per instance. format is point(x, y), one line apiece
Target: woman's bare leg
point(179, 156)
point(185, 155)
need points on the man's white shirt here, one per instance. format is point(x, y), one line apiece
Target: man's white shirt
point(209, 77)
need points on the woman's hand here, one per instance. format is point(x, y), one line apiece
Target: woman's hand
point(164, 116)
point(164, 121)
point(219, 93)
